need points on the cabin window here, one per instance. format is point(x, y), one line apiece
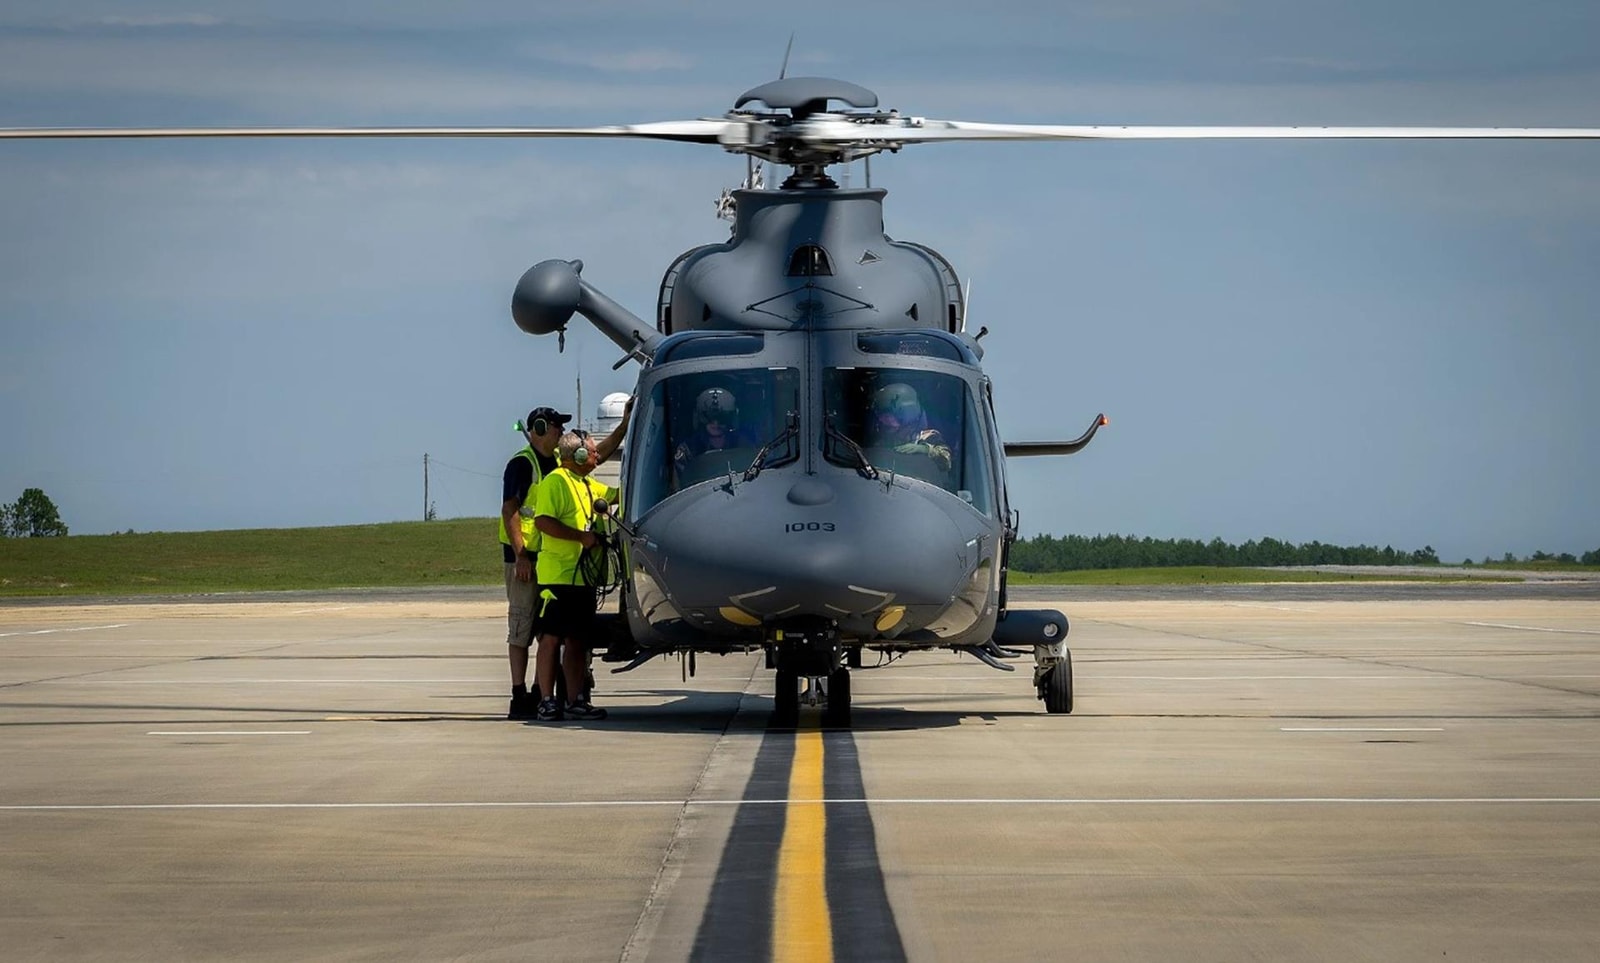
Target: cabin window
point(918, 343)
point(696, 428)
point(918, 424)
point(709, 346)
point(809, 260)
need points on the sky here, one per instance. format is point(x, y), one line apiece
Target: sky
point(1353, 342)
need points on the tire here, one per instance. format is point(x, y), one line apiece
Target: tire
point(1058, 687)
point(837, 713)
point(786, 700)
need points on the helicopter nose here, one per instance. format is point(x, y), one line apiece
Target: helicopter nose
point(833, 548)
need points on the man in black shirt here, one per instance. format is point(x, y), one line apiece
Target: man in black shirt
point(519, 540)
point(519, 545)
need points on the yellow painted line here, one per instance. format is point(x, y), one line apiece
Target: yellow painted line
point(803, 929)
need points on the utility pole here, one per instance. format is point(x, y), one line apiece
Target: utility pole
point(424, 486)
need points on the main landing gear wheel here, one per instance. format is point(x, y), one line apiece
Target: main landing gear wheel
point(786, 699)
point(1058, 687)
point(836, 715)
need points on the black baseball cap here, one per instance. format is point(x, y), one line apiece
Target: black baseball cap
point(548, 414)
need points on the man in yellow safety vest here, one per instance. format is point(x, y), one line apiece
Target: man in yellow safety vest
point(565, 517)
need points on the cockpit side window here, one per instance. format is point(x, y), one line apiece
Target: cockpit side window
point(921, 424)
point(706, 425)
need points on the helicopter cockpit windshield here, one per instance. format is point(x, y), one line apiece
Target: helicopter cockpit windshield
point(710, 424)
point(915, 423)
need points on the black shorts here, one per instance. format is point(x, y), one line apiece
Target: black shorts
point(570, 614)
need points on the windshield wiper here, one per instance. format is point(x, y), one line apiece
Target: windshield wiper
point(760, 461)
point(862, 466)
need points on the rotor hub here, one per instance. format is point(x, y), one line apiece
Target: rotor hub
point(798, 129)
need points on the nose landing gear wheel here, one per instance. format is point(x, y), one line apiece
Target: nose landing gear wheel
point(837, 713)
point(1057, 687)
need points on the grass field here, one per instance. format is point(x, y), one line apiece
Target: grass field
point(455, 552)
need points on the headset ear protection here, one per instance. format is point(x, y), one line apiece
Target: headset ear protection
point(539, 426)
point(581, 456)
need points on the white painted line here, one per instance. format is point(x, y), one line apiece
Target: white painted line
point(334, 608)
point(1532, 628)
point(897, 675)
point(257, 681)
point(1419, 676)
point(1088, 674)
point(1360, 729)
point(232, 732)
point(85, 628)
point(640, 803)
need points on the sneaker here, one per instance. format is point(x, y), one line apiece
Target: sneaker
point(523, 707)
point(549, 711)
point(584, 710)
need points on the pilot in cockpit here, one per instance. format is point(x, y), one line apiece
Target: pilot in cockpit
point(716, 427)
point(899, 422)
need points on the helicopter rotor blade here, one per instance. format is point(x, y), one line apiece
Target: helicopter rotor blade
point(914, 130)
point(819, 138)
point(704, 131)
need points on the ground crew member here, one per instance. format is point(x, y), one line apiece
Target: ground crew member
point(519, 545)
point(565, 518)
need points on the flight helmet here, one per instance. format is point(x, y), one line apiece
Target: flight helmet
point(716, 404)
point(900, 400)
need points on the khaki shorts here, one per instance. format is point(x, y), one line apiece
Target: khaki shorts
point(522, 599)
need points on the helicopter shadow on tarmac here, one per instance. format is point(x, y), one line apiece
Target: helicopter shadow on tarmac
point(697, 711)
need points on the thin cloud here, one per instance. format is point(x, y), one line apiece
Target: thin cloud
point(151, 21)
point(312, 82)
point(627, 61)
point(1319, 63)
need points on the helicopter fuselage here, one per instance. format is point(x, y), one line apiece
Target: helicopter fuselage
point(800, 317)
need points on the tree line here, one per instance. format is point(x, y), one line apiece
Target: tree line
point(1051, 553)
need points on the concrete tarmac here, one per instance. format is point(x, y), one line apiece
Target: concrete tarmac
point(1268, 773)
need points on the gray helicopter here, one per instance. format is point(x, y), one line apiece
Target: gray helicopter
point(814, 465)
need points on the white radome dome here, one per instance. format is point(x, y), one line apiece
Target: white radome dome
point(611, 405)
